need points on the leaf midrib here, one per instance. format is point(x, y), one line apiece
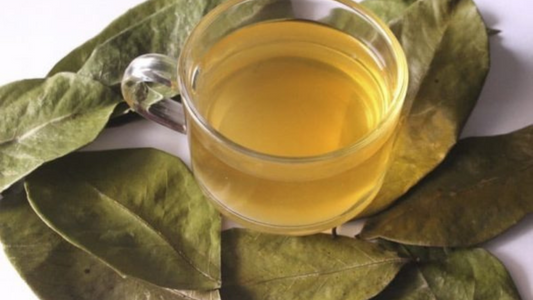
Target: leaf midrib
point(151, 228)
point(32, 131)
point(481, 184)
point(325, 273)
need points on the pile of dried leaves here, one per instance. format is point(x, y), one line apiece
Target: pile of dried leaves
point(92, 225)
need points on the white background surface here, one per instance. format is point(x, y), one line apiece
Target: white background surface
point(35, 34)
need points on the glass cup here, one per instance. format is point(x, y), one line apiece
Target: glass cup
point(272, 193)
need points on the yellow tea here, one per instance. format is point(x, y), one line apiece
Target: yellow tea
point(291, 89)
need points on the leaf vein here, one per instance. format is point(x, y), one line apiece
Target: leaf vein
point(35, 130)
point(315, 274)
point(150, 227)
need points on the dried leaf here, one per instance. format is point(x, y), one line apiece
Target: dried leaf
point(484, 186)
point(43, 119)
point(56, 270)
point(446, 45)
point(139, 211)
point(164, 32)
point(262, 266)
point(75, 59)
point(440, 274)
point(388, 10)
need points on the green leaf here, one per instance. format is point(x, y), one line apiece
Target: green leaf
point(388, 10)
point(262, 266)
point(446, 45)
point(56, 270)
point(441, 274)
point(139, 211)
point(482, 188)
point(43, 119)
point(164, 32)
point(75, 59)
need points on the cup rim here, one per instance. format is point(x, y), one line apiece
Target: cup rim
point(399, 94)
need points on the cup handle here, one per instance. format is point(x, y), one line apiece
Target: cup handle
point(148, 84)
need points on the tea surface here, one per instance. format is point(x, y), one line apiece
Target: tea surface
point(277, 91)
